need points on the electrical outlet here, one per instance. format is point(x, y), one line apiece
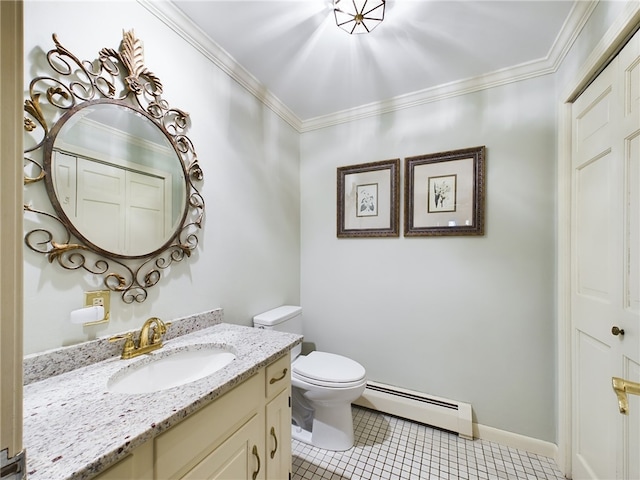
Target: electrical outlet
point(98, 298)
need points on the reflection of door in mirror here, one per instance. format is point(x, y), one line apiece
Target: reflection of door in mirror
point(124, 209)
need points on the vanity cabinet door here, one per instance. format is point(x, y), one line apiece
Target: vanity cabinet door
point(278, 441)
point(138, 464)
point(187, 444)
point(240, 457)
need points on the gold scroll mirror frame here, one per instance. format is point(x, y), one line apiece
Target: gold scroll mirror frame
point(121, 78)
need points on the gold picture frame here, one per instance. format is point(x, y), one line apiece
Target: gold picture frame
point(445, 193)
point(368, 203)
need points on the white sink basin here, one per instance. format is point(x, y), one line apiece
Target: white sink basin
point(170, 369)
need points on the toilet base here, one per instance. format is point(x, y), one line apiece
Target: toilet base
point(332, 428)
point(300, 434)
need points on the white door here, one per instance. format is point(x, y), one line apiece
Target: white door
point(605, 296)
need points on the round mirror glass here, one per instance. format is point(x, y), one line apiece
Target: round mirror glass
point(117, 178)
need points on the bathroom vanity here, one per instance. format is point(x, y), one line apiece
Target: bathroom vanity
point(245, 434)
point(235, 423)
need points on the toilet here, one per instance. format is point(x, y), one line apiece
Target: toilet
point(323, 386)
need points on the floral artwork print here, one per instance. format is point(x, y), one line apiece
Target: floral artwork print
point(367, 200)
point(442, 194)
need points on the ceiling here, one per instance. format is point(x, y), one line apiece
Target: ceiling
point(295, 51)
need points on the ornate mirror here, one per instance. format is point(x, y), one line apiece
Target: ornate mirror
point(117, 167)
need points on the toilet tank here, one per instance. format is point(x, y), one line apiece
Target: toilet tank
point(287, 318)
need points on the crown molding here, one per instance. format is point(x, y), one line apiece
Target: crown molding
point(173, 17)
point(570, 30)
point(621, 30)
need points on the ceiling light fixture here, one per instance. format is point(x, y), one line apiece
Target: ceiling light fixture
point(358, 16)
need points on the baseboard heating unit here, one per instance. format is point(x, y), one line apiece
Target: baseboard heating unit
point(419, 407)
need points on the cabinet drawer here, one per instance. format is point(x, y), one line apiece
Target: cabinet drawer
point(278, 376)
point(187, 443)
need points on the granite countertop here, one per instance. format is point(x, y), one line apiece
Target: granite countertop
point(74, 427)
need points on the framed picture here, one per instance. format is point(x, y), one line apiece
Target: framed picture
point(369, 199)
point(444, 193)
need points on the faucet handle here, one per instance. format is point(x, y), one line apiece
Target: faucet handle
point(125, 336)
point(158, 331)
point(128, 346)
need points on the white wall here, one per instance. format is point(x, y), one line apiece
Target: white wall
point(470, 319)
point(248, 257)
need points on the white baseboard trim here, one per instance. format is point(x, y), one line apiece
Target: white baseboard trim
point(515, 440)
point(420, 407)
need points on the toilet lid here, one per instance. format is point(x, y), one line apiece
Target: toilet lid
point(328, 367)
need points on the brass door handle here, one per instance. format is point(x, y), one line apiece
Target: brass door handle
point(617, 331)
point(622, 387)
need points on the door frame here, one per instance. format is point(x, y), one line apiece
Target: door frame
point(613, 40)
point(11, 180)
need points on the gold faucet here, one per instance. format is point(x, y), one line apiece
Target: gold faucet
point(145, 344)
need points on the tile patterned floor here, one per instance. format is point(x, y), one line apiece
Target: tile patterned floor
point(389, 448)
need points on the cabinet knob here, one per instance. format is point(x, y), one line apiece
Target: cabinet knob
point(617, 331)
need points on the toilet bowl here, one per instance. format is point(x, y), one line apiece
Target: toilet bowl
point(325, 384)
point(323, 387)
